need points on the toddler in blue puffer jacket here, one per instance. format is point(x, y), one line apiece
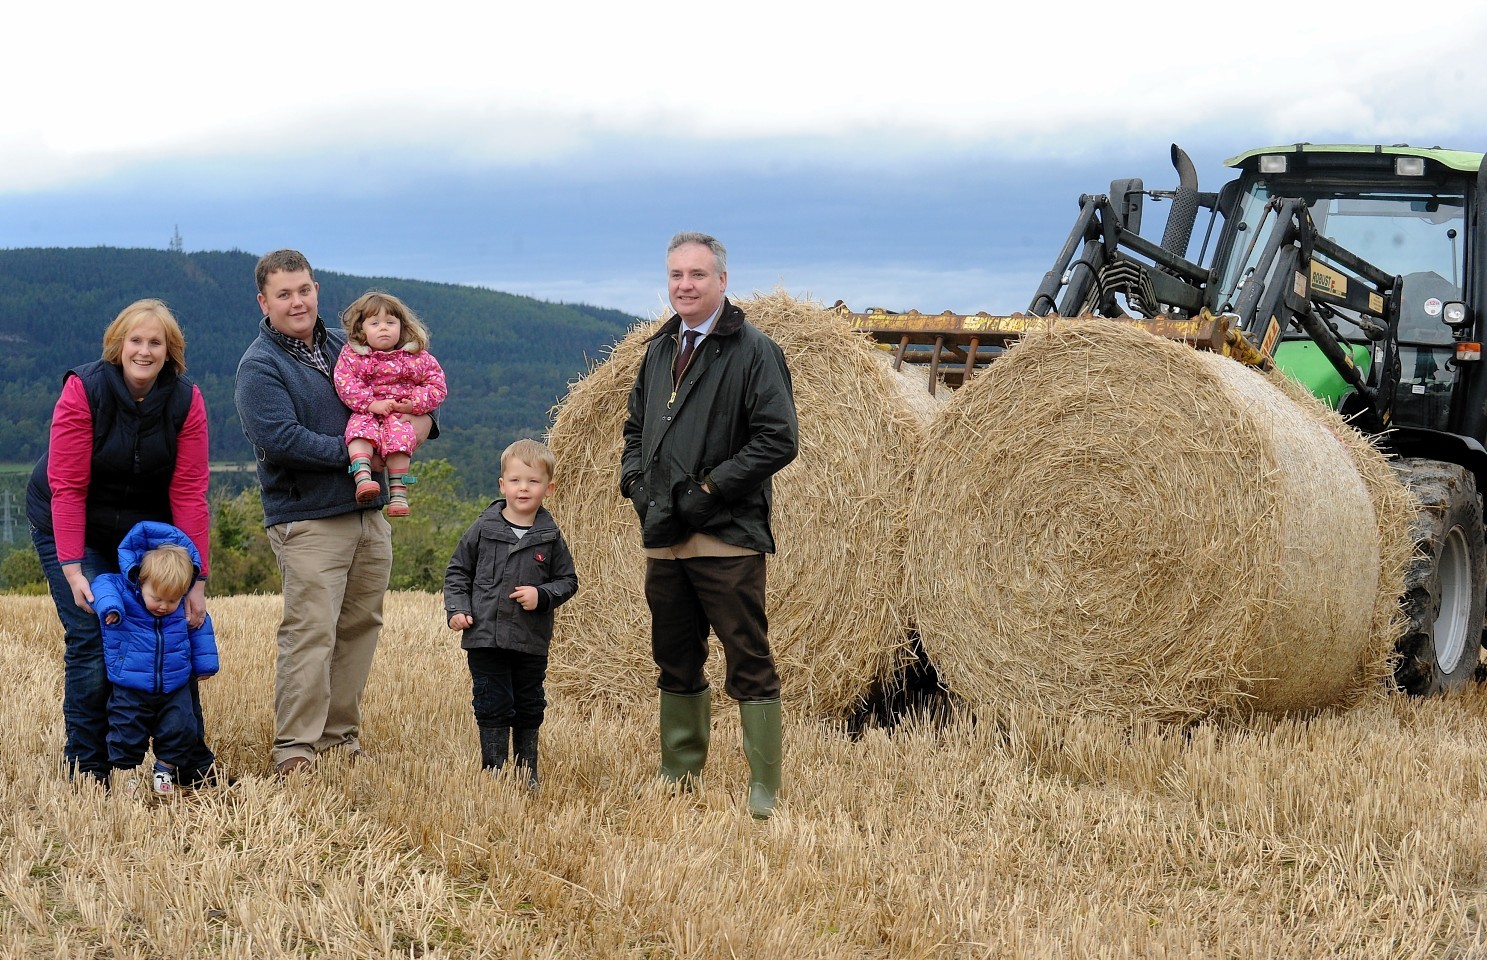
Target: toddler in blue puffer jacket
point(150, 652)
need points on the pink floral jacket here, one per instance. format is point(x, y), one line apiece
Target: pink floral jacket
point(364, 375)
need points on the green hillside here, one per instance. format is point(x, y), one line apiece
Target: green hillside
point(508, 358)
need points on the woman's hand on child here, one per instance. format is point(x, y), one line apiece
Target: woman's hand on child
point(461, 621)
point(526, 596)
point(196, 604)
point(82, 590)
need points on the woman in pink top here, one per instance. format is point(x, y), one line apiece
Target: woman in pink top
point(128, 443)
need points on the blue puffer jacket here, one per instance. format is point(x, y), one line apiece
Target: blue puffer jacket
point(143, 651)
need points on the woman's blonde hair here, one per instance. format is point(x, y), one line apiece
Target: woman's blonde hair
point(135, 314)
point(372, 303)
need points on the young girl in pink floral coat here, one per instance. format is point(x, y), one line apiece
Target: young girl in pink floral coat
point(385, 370)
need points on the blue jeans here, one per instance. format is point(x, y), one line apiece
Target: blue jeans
point(507, 688)
point(85, 686)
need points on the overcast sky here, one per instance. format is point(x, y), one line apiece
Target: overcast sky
point(929, 155)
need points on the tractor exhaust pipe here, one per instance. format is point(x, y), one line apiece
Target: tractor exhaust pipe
point(1184, 213)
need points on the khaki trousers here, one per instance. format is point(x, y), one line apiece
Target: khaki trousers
point(335, 573)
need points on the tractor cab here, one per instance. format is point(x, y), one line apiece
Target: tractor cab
point(1400, 209)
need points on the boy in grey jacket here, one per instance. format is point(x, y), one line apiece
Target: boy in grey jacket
point(508, 572)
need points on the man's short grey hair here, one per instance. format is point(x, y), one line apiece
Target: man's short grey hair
point(720, 253)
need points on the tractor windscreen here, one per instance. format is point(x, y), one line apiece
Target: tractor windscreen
point(1416, 235)
point(1421, 239)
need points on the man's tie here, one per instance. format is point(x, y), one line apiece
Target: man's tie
point(689, 343)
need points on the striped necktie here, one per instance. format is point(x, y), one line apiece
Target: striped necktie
point(689, 343)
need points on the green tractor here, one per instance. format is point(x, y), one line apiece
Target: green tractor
point(1361, 272)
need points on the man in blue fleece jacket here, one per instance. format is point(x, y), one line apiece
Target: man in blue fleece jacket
point(335, 553)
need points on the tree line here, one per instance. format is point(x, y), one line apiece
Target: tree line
point(508, 359)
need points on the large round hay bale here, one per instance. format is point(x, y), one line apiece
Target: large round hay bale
point(1111, 523)
point(836, 617)
point(1394, 509)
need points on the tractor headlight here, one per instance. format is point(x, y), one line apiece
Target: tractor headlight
point(1409, 166)
point(1455, 315)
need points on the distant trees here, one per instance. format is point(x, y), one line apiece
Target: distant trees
point(509, 359)
point(20, 571)
point(423, 541)
point(243, 561)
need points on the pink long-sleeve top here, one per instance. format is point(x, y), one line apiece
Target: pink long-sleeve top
point(70, 465)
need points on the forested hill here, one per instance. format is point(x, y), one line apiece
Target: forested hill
point(508, 358)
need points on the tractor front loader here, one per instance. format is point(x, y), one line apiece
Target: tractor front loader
point(1359, 271)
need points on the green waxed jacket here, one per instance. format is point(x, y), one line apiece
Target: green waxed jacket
point(730, 423)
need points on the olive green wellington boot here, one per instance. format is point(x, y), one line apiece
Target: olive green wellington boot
point(762, 746)
point(685, 724)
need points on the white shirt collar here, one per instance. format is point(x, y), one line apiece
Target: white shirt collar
point(706, 326)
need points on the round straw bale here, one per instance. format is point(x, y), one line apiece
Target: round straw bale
point(1394, 509)
point(1111, 523)
point(836, 617)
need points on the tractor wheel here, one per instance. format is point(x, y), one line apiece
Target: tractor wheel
point(1446, 582)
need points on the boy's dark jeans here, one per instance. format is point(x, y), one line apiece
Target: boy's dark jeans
point(135, 718)
point(507, 688)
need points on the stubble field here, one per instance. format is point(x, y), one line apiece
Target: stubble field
point(1361, 834)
